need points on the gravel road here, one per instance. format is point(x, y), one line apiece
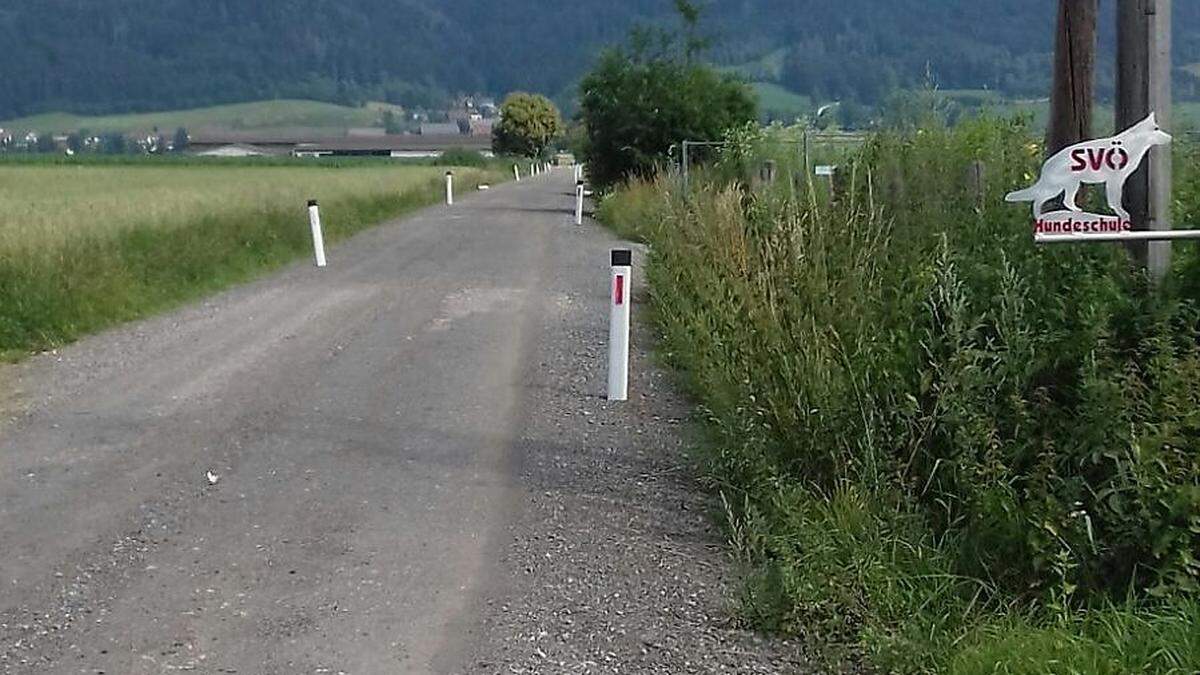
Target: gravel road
point(400, 464)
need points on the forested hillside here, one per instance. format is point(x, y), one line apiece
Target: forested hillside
point(106, 56)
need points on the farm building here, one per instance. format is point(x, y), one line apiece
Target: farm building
point(340, 146)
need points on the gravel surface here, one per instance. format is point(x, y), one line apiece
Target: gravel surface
point(615, 565)
point(400, 464)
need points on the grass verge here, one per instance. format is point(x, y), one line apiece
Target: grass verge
point(83, 248)
point(940, 448)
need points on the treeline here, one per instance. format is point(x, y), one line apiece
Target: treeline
point(117, 56)
point(85, 142)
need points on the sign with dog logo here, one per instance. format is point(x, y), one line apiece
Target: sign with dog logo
point(1107, 161)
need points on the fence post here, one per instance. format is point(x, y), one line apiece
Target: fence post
point(449, 188)
point(618, 329)
point(686, 167)
point(314, 221)
point(977, 181)
point(769, 170)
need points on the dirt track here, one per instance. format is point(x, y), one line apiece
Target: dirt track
point(412, 467)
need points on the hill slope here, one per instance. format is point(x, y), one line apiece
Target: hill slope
point(238, 116)
point(120, 55)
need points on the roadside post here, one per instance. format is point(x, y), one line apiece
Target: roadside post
point(578, 202)
point(618, 327)
point(449, 188)
point(517, 173)
point(314, 221)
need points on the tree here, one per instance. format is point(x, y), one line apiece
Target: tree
point(45, 143)
point(1074, 75)
point(182, 140)
point(114, 144)
point(645, 98)
point(528, 124)
point(391, 125)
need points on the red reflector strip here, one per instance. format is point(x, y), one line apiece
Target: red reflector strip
point(619, 296)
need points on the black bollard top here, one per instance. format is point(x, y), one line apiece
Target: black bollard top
point(312, 202)
point(622, 258)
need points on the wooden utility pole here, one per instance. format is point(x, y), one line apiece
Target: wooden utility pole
point(1074, 74)
point(1144, 86)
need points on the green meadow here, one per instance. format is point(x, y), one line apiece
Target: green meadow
point(84, 246)
point(241, 116)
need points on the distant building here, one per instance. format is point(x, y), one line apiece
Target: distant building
point(234, 150)
point(440, 129)
point(482, 127)
point(410, 145)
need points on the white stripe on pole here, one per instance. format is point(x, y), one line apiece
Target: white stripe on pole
point(579, 203)
point(449, 188)
point(314, 220)
point(618, 328)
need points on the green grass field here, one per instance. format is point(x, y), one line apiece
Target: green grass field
point(768, 67)
point(1187, 114)
point(241, 116)
point(83, 247)
point(781, 103)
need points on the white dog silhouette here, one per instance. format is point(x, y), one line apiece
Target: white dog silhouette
point(1107, 160)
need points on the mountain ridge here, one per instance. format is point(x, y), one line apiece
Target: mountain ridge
point(114, 56)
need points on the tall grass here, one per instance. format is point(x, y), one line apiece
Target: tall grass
point(935, 440)
point(85, 247)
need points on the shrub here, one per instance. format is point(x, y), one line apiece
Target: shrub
point(463, 157)
point(642, 99)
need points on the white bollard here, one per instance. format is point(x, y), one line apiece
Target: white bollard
point(533, 170)
point(314, 220)
point(449, 188)
point(618, 327)
point(579, 202)
point(517, 173)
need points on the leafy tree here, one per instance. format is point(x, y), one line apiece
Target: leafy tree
point(642, 99)
point(182, 140)
point(391, 125)
point(114, 144)
point(528, 124)
point(45, 143)
point(853, 115)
